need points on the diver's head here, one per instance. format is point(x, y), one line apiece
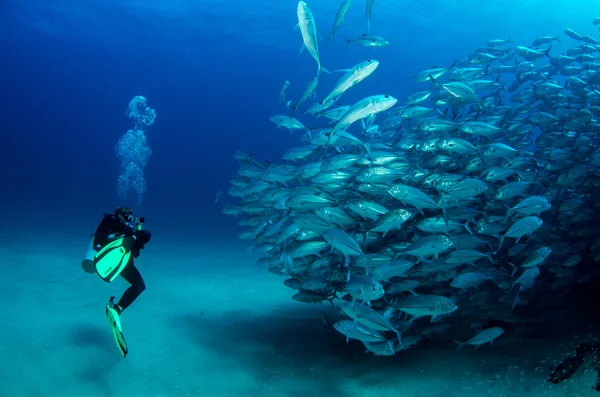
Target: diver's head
point(125, 214)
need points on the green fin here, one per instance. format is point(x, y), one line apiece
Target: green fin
point(115, 324)
point(112, 259)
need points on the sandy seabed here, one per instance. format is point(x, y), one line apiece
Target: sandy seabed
point(212, 323)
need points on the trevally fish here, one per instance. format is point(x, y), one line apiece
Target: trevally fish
point(339, 18)
point(364, 108)
point(495, 161)
point(425, 305)
point(368, 41)
point(352, 77)
point(485, 336)
point(355, 330)
point(282, 121)
point(308, 28)
point(368, 14)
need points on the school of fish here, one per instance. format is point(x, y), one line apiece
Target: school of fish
point(465, 200)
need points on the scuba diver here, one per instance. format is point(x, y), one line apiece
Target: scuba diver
point(118, 239)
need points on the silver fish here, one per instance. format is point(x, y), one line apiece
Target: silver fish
point(482, 337)
point(339, 18)
point(308, 28)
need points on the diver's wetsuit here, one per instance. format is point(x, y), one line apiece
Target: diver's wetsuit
point(109, 226)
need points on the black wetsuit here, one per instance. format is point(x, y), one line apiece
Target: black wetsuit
point(110, 226)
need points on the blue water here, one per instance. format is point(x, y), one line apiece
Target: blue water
point(212, 70)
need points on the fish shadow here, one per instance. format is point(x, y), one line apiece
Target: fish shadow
point(294, 342)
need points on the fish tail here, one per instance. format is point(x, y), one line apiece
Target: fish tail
point(391, 344)
point(516, 301)
point(328, 143)
point(466, 226)
point(459, 344)
point(446, 221)
point(399, 335)
point(322, 69)
point(508, 213)
point(514, 267)
point(433, 80)
point(501, 238)
point(368, 149)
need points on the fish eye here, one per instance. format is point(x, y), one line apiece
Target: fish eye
point(387, 96)
point(449, 304)
point(374, 287)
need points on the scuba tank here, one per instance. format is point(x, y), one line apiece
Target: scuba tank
point(87, 263)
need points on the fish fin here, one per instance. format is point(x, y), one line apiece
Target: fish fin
point(433, 80)
point(348, 41)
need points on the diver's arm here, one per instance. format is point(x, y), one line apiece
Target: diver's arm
point(118, 227)
point(109, 225)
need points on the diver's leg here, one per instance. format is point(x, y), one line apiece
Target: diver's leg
point(132, 275)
